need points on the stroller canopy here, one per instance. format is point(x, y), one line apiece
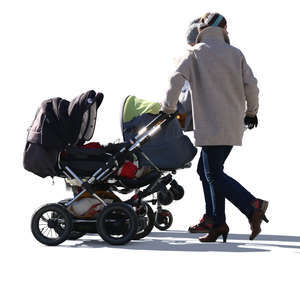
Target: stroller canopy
point(134, 107)
point(168, 149)
point(59, 123)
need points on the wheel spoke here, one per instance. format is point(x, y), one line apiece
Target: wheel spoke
point(44, 219)
point(45, 228)
point(46, 232)
point(54, 234)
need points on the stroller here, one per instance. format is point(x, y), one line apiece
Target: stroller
point(55, 147)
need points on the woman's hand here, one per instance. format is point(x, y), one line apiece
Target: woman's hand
point(251, 122)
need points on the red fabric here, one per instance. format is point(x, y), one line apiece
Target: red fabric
point(92, 145)
point(128, 170)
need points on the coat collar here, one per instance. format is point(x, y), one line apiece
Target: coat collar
point(213, 33)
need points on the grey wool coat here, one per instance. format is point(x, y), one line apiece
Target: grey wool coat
point(223, 89)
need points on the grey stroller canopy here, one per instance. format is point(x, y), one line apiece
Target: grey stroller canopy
point(58, 124)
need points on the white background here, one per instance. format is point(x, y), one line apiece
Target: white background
point(63, 48)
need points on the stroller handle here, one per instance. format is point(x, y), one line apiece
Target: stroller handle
point(162, 116)
point(162, 120)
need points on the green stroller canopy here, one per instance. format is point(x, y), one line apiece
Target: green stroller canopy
point(134, 107)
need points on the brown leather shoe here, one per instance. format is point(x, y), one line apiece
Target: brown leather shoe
point(215, 233)
point(204, 226)
point(260, 207)
point(263, 205)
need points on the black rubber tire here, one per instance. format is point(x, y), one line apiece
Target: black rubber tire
point(163, 219)
point(150, 225)
point(61, 216)
point(117, 223)
point(178, 192)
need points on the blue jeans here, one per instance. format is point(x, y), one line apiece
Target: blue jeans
point(217, 185)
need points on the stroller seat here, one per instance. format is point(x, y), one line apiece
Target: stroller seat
point(86, 161)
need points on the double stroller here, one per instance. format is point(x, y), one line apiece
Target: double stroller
point(142, 166)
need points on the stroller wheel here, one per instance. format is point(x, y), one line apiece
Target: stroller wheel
point(147, 216)
point(117, 223)
point(51, 224)
point(163, 219)
point(177, 190)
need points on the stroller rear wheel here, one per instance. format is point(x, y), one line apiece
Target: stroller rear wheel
point(149, 217)
point(117, 223)
point(51, 224)
point(163, 219)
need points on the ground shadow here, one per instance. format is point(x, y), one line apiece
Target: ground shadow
point(174, 240)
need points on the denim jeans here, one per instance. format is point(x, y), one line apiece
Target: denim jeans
point(217, 185)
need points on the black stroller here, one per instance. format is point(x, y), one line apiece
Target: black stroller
point(54, 148)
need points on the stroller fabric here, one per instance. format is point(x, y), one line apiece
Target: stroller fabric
point(58, 124)
point(84, 159)
point(134, 107)
point(168, 149)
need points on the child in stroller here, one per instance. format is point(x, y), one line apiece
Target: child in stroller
point(55, 148)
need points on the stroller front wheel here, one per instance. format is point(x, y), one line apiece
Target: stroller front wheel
point(163, 219)
point(51, 225)
point(117, 223)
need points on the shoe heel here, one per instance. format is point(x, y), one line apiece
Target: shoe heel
point(225, 237)
point(265, 218)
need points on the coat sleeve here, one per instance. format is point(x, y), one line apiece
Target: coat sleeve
point(250, 88)
point(177, 81)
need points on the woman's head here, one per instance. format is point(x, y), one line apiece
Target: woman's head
point(209, 19)
point(212, 19)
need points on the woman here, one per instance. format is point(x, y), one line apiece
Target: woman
point(221, 84)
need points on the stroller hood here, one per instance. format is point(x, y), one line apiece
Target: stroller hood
point(134, 107)
point(82, 112)
point(169, 149)
point(59, 123)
